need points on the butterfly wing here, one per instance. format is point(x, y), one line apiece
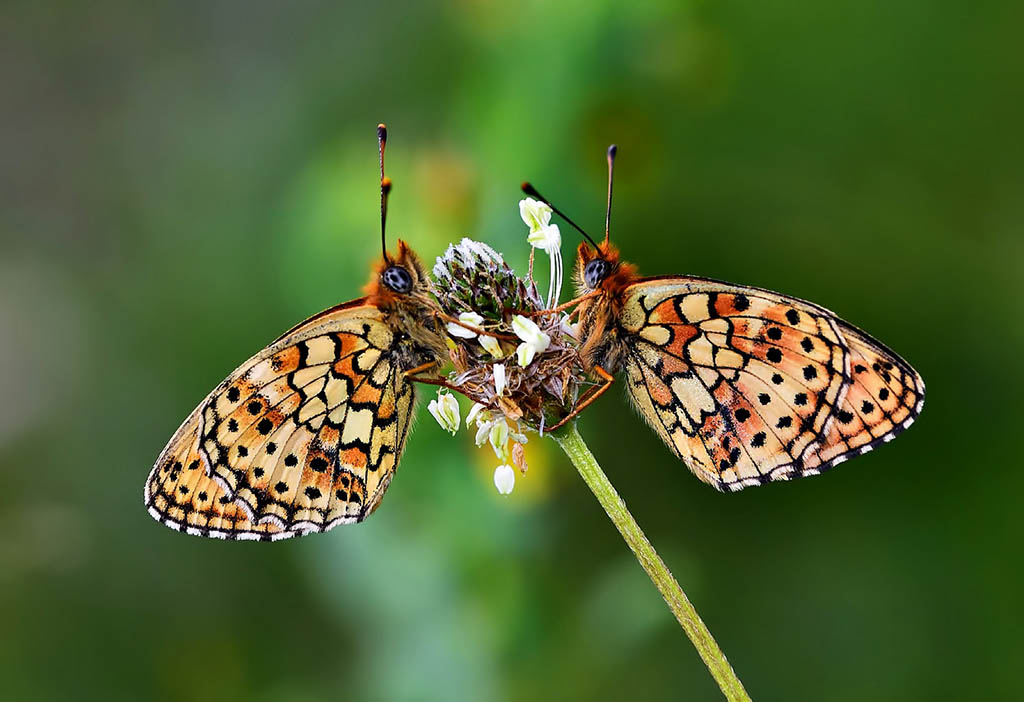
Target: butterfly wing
point(303, 436)
point(884, 396)
point(746, 385)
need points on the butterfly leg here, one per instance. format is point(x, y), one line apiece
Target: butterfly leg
point(588, 397)
point(565, 305)
point(413, 375)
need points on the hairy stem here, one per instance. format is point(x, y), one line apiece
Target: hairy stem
point(578, 452)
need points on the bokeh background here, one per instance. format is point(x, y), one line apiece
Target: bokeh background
point(181, 181)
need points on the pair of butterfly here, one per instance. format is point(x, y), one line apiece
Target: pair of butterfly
point(743, 384)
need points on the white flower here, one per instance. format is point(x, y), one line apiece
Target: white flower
point(483, 430)
point(470, 318)
point(504, 479)
point(489, 342)
point(499, 438)
point(491, 346)
point(477, 412)
point(484, 421)
point(499, 378)
point(545, 236)
point(537, 216)
point(534, 340)
point(446, 411)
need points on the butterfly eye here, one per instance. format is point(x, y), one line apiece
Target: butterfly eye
point(596, 271)
point(397, 278)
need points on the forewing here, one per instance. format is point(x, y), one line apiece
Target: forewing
point(745, 385)
point(302, 437)
point(884, 397)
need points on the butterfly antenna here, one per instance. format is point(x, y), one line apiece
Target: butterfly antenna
point(532, 192)
point(612, 150)
point(385, 188)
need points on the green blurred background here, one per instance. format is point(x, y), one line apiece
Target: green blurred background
point(181, 181)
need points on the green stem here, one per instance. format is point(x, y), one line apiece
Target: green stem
point(575, 448)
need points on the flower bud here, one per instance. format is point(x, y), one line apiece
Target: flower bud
point(504, 479)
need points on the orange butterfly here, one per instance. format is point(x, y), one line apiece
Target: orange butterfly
point(743, 384)
point(306, 434)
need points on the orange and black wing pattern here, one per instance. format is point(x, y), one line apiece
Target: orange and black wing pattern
point(748, 386)
point(302, 437)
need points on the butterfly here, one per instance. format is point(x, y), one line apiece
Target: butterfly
point(306, 434)
point(743, 384)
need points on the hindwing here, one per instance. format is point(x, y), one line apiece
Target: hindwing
point(303, 436)
point(747, 386)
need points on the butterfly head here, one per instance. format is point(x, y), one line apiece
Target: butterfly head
point(601, 269)
point(397, 276)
